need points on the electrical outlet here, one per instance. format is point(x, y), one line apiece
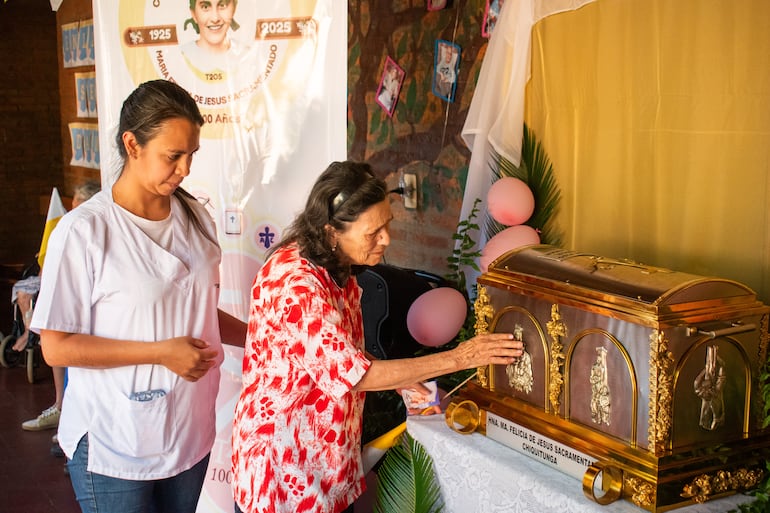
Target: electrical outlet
point(233, 221)
point(410, 190)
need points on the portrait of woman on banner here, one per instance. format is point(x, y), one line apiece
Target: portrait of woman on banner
point(215, 52)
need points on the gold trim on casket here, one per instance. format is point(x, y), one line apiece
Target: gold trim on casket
point(651, 372)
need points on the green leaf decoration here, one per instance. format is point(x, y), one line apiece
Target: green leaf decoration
point(407, 482)
point(464, 253)
point(536, 171)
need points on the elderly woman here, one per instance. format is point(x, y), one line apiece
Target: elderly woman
point(297, 429)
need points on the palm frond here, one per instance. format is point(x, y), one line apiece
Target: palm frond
point(465, 253)
point(407, 482)
point(536, 171)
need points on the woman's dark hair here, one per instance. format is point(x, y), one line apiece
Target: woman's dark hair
point(144, 113)
point(149, 106)
point(340, 194)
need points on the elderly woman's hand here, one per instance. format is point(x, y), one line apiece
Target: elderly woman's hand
point(488, 348)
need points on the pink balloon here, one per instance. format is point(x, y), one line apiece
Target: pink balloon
point(436, 316)
point(510, 201)
point(508, 239)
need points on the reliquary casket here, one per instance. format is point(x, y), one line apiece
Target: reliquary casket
point(641, 381)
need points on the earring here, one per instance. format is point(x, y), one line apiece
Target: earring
point(334, 248)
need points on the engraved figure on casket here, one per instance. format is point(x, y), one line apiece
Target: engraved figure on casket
point(708, 386)
point(600, 389)
point(520, 372)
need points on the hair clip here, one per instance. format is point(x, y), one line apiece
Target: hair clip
point(338, 200)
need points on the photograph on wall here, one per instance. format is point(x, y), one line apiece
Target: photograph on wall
point(76, 142)
point(78, 44)
point(69, 38)
point(91, 145)
point(390, 85)
point(491, 15)
point(91, 87)
point(84, 139)
point(94, 134)
point(436, 5)
point(86, 52)
point(446, 65)
point(81, 93)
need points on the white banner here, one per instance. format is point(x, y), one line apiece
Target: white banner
point(274, 103)
point(217, 495)
point(275, 106)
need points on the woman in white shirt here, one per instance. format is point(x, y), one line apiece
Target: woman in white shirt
point(129, 304)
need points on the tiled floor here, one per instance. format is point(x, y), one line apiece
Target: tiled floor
point(31, 479)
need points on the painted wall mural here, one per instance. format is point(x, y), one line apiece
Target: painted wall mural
point(421, 134)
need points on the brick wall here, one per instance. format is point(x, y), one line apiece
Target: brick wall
point(30, 154)
point(30, 144)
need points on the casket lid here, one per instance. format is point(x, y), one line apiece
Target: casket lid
point(621, 278)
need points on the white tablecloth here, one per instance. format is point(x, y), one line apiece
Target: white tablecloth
point(478, 474)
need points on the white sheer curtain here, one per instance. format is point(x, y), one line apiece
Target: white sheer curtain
point(496, 114)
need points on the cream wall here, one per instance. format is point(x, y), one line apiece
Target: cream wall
point(656, 117)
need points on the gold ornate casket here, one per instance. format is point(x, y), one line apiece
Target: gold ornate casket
point(645, 378)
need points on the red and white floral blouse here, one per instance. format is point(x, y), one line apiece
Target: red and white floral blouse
point(297, 427)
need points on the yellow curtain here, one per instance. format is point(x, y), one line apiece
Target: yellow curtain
point(656, 117)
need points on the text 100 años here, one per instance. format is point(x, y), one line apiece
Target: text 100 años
point(221, 475)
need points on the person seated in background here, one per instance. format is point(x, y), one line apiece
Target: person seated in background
point(49, 418)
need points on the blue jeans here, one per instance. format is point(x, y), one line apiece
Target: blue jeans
point(101, 494)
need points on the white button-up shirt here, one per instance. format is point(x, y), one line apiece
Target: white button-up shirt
point(105, 277)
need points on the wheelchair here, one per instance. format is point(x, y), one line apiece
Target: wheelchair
point(30, 357)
